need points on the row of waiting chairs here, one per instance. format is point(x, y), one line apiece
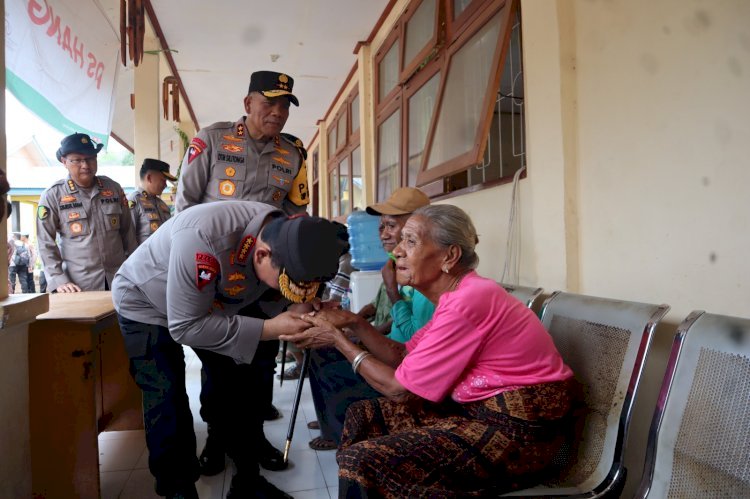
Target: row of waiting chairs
point(699, 442)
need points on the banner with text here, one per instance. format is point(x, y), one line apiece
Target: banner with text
point(61, 61)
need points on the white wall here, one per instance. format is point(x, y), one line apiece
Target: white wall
point(638, 144)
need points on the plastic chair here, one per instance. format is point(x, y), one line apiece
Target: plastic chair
point(699, 442)
point(605, 342)
point(527, 295)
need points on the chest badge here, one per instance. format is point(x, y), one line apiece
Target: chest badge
point(237, 276)
point(232, 148)
point(227, 188)
point(74, 215)
point(76, 227)
point(232, 138)
point(234, 290)
point(230, 171)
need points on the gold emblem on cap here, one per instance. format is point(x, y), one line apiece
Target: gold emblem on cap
point(297, 292)
point(84, 140)
point(283, 78)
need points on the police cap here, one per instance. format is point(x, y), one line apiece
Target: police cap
point(157, 165)
point(79, 143)
point(272, 84)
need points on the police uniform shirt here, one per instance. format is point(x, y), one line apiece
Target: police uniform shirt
point(222, 163)
point(193, 276)
point(147, 212)
point(96, 233)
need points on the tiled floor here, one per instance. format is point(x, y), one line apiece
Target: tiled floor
point(123, 457)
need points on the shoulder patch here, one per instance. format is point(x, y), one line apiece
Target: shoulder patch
point(298, 193)
point(131, 204)
point(206, 269)
point(42, 212)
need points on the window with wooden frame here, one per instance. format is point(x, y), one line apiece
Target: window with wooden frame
point(345, 161)
point(454, 118)
point(315, 165)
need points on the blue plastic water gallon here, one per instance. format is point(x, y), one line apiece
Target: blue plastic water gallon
point(366, 249)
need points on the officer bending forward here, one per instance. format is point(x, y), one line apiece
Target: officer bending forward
point(184, 286)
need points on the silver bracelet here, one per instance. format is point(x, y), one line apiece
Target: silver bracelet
point(358, 360)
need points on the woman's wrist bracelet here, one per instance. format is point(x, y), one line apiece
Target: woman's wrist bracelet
point(358, 360)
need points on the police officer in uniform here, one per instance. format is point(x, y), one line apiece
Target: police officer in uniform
point(249, 159)
point(147, 208)
point(185, 285)
point(91, 215)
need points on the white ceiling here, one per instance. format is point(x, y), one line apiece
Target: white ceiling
point(218, 45)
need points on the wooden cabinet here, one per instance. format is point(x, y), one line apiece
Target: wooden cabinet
point(79, 385)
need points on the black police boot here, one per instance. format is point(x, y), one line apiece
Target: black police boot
point(256, 487)
point(211, 459)
point(270, 457)
point(272, 413)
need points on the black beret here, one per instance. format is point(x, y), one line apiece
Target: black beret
point(79, 143)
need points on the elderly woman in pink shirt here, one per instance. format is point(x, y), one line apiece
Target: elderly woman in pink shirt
point(475, 403)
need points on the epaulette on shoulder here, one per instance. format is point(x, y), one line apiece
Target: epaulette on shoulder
point(296, 143)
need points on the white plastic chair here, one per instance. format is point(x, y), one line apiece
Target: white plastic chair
point(699, 442)
point(605, 342)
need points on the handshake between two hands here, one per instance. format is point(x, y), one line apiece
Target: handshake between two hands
point(316, 324)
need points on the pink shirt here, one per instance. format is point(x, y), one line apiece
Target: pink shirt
point(481, 341)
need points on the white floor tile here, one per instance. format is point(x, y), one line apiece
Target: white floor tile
point(119, 454)
point(329, 467)
point(312, 494)
point(112, 483)
point(304, 473)
point(140, 485)
point(333, 492)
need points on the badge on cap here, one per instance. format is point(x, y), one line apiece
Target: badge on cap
point(297, 292)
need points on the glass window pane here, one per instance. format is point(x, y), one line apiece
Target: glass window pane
point(467, 80)
point(333, 187)
point(341, 131)
point(419, 30)
point(389, 140)
point(459, 6)
point(355, 113)
point(358, 193)
point(315, 165)
point(331, 141)
point(421, 107)
point(344, 186)
point(388, 71)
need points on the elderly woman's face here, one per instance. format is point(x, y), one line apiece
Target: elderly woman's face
point(418, 258)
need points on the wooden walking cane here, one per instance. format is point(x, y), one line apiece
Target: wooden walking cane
point(295, 407)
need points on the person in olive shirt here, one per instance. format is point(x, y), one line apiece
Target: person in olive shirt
point(90, 214)
point(147, 208)
point(252, 160)
point(184, 286)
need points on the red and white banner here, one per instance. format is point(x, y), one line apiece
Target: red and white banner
point(61, 61)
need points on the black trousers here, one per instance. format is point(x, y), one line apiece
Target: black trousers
point(157, 364)
point(23, 277)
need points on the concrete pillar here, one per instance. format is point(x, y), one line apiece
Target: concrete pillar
point(147, 113)
point(367, 122)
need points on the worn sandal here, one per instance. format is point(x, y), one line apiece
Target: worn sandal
point(320, 443)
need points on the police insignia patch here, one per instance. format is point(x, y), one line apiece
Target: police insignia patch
point(115, 221)
point(281, 181)
point(230, 171)
point(281, 160)
point(232, 138)
point(240, 130)
point(153, 216)
point(232, 148)
point(206, 268)
point(277, 195)
point(281, 151)
point(76, 227)
point(74, 215)
point(237, 276)
point(234, 290)
point(42, 212)
point(193, 152)
point(227, 188)
point(245, 246)
point(131, 204)
point(154, 226)
point(107, 193)
point(68, 199)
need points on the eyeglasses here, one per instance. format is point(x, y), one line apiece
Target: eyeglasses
point(80, 161)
